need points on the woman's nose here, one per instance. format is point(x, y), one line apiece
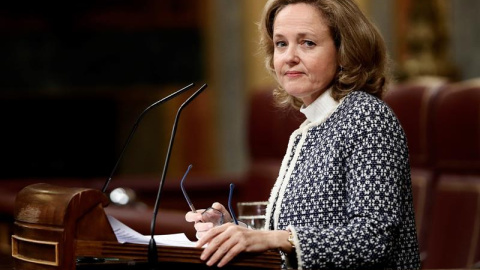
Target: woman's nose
point(292, 55)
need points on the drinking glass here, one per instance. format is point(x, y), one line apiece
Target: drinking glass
point(252, 213)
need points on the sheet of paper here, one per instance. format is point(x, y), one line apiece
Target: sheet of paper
point(126, 234)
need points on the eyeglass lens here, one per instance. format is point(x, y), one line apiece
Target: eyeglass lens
point(213, 215)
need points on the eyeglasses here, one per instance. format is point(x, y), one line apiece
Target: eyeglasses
point(210, 214)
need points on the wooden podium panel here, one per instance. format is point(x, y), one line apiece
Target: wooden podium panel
point(135, 254)
point(67, 228)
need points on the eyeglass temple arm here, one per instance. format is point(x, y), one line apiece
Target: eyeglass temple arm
point(190, 204)
point(232, 213)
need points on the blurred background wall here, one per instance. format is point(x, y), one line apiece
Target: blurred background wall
point(75, 76)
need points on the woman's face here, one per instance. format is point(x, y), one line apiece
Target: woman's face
point(305, 57)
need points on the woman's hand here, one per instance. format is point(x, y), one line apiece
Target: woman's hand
point(200, 225)
point(225, 242)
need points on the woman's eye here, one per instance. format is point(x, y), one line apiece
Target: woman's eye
point(309, 43)
point(280, 44)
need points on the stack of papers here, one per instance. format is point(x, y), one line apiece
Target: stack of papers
point(125, 234)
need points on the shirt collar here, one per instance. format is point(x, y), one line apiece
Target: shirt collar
point(321, 108)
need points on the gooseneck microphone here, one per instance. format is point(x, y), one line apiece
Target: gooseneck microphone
point(152, 246)
point(134, 128)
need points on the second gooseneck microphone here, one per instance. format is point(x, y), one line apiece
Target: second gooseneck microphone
point(134, 128)
point(152, 246)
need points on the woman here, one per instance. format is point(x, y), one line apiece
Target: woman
point(343, 195)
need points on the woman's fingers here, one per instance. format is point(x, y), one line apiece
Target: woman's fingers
point(221, 208)
point(209, 234)
point(203, 226)
point(214, 238)
point(233, 251)
point(223, 247)
point(194, 216)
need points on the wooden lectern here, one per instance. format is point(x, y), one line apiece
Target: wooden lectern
point(66, 228)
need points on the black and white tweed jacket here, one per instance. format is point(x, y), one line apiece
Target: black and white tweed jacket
point(344, 190)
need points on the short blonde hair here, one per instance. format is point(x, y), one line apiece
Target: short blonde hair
point(361, 51)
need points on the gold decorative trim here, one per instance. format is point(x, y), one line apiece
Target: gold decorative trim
point(15, 254)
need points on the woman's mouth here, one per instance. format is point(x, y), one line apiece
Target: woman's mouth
point(293, 74)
